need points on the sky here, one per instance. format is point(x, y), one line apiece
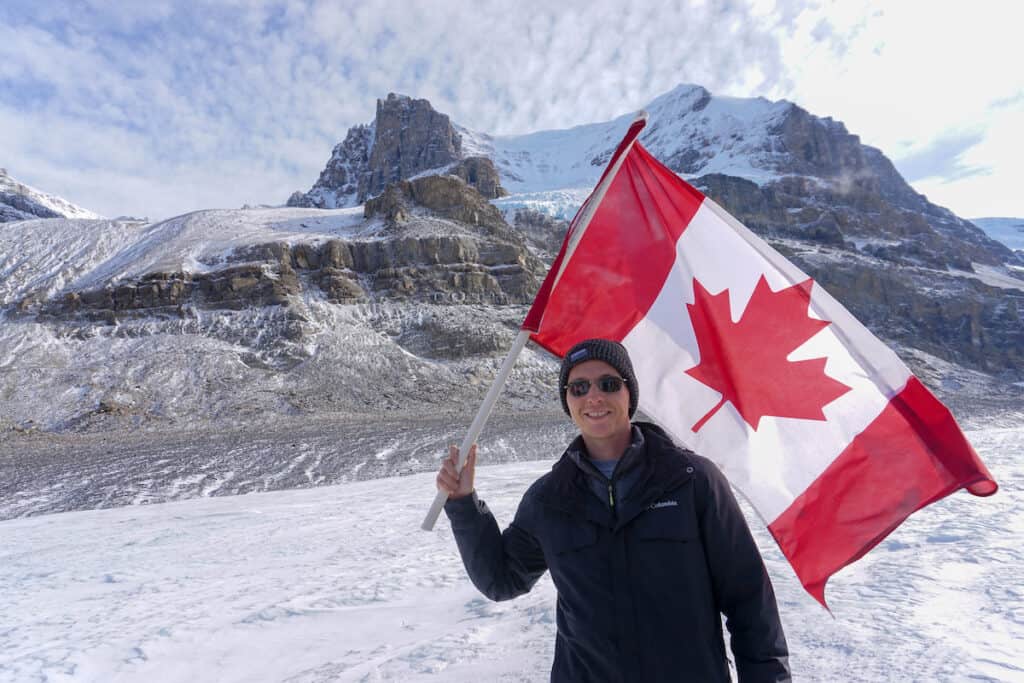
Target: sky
point(159, 108)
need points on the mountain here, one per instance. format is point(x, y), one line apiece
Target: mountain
point(790, 159)
point(1009, 231)
point(395, 284)
point(407, 138)
point(927, 278)
point(20, 202)
point(240, 315)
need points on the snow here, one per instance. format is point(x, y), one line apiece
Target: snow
point(734, 135)
point(338, 583)
point(560, 204)
point(553, 171)
point(993, 275)
point(49, 256)
point(47, 201)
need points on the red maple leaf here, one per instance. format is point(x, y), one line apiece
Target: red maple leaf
point(746, 361)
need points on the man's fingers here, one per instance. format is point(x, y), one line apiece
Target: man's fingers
point(450, 479)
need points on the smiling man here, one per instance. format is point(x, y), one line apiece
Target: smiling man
point(645, 543)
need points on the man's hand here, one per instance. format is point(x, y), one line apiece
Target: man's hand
point(448, 478)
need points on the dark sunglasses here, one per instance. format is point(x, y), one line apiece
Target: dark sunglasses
point(607, 384)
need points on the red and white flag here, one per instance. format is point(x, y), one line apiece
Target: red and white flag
point(743, 358)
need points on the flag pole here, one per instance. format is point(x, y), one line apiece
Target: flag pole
point(578, 228)
point(478, 422)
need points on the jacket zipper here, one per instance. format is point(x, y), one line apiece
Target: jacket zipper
point(611, 496)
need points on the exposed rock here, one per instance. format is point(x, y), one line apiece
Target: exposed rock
point(807, 208)
point(444, 195)
point(543, 233)
point(406, 138)
point(822, 148)
point(339, 183)
point(959, 319)
point(469, 256)
point(410, 137)
point(17, 207)
point(392, 204)
point(299, 199)
point(480, 173)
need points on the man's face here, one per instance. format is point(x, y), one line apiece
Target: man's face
point(598, 415)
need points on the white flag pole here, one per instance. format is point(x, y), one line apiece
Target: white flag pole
point(478, 422)
point(524, 335)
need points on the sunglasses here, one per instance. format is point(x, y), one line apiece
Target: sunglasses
point(607, 384)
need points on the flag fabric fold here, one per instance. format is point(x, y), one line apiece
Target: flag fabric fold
point(746, 360)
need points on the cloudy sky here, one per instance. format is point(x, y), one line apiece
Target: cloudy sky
point(160, 107)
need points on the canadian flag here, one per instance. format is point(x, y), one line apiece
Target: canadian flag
point(741, 357)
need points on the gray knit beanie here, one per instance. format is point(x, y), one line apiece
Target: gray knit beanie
point(612, 353)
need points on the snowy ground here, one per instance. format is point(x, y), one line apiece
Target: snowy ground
point(339, 583)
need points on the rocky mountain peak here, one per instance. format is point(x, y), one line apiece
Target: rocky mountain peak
point(410, 137)
point(407, 137)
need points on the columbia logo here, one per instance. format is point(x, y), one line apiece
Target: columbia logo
point(664, 504)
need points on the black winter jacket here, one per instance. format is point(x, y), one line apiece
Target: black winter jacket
point(641, 580)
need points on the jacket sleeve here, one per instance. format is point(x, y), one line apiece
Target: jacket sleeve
point(742, 588)
point(502, 565)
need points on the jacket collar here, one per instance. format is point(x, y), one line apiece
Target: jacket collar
point(633, 455)
point(662, 467)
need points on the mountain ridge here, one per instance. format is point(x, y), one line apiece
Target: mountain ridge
point(404, 301)
point(20, 202)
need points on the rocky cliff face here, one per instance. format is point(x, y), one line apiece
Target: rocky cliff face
point(410, 138)
point(407, 137)
point(903, 272)
point(339, 182)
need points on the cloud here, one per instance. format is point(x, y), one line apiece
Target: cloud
point(943, 158)
point(149, 92)
point(247, 97)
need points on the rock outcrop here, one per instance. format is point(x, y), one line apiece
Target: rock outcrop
point(339, 183)
point(443, 195)
point(445, 245)
point(406, 138)
point(410, 137)
point(480, 173)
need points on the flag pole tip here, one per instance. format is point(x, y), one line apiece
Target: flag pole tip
point(642, 115)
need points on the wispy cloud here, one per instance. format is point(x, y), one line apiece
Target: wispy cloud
point(191, 104)
point(190, 92)
point(943, 158)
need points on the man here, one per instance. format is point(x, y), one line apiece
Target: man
point(645, 543)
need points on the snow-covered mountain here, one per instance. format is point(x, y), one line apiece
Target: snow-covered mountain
point(791, 157)
point(20, 202)
point(688, 128)
point(420, 282)
point(803, 182)
point(1009, 231)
